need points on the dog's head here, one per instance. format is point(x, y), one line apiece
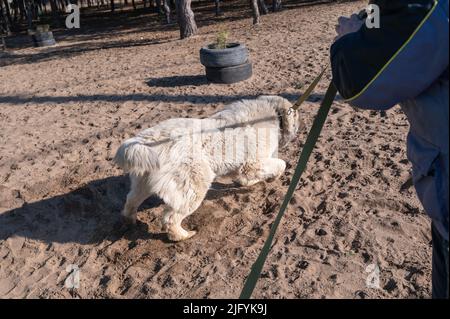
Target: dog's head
point(289, 120)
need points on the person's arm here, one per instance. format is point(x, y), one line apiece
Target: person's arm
point(379, 68)
point(348, 25)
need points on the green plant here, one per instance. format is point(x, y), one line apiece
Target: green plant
point(221, 40)
point(42, 28)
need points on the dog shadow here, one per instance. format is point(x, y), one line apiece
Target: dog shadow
point(89, 214)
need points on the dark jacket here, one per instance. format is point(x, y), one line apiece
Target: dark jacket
point(405, 62)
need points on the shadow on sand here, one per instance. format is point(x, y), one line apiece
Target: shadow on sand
point(89, 214)
point(139, 97)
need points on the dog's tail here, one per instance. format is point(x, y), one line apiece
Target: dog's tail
point(133, 156)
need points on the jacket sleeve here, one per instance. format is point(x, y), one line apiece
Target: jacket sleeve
point(377, 68)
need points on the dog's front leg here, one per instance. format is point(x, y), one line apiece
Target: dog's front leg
point(265, 169)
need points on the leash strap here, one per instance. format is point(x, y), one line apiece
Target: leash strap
point(311, 140)
point(308, 91)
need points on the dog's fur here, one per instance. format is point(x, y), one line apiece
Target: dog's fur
point(178, 159)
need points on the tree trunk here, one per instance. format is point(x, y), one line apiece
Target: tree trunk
point(7, 16)
point(55, 14)
point(158, 6)
point(276, 5)
point(62, 4)
point(39, 8)
point(15, 11)
point(218, 10)
point(186, 20)
point(4, 21)
point(166, 9)
point(255, 10)
point(262, 7)
point(113, 7)
point(29, 14)
point(21, 7)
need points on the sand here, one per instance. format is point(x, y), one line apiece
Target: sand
point(64, 110)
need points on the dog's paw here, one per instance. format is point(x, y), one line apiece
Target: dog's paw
point(181, 236)
point(244, 182)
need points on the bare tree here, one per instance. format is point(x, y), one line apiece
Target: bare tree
point(262, 7)
point(29, 13)
point(55, 14)
point(6, 16)
point(4, 25)
point(17, 13)
point(255, 10)
point(166, 9)
point(158, 6)
point(218, 10)
point(186, 20)
point(276, 5)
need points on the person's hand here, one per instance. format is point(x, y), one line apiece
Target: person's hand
point(348, 25)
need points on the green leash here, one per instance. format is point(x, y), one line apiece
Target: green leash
point(309, 90)
point(311, 140)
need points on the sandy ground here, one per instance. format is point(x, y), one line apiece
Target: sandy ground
point(64, 111)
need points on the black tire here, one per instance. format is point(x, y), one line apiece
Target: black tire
point(42, 36)
point(43, 39)
point(230, 74)
point(45, 43)
point(234, 54)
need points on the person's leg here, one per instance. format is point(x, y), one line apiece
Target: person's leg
point(440, 265)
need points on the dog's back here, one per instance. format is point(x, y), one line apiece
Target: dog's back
point(164, 142)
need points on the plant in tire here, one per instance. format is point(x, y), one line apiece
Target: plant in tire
point(225, 62)
point(221, 40)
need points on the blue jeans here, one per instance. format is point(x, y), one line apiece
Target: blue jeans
point(440, 265)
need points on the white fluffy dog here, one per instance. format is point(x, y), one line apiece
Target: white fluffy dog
point(179, 158)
